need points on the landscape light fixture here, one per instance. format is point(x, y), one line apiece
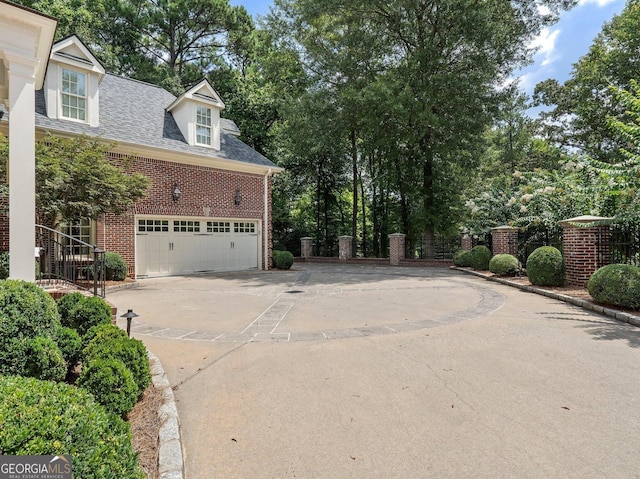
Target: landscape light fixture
point(176, 192)
point(129, 315)
point(238, 198)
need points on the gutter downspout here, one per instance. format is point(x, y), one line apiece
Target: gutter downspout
point(265, 227)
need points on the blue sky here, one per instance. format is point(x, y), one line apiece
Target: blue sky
point(559, 46)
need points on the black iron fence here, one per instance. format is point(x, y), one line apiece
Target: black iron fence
point(63, 259)
point(531, 238)
point(624, 243)
point(441, 247)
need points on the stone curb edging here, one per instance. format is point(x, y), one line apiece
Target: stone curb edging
point(596, 308)
point(170, 455)
point(119, 287)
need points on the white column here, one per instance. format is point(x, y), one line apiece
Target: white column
point(22, 176)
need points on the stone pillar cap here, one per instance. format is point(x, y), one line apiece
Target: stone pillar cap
point(345, 236)
point(585, 219)
point(397, 234)
point(307, 238)
point(505, 228)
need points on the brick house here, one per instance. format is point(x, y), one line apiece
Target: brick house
point(209, 204)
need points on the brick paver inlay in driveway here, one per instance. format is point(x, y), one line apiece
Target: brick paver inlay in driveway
point(440, 297)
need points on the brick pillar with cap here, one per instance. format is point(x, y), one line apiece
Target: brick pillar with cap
point(345, 244)
point(504, 240)
point(586, 241)
point(306, 247)
point(396, 248)
point(466, 241)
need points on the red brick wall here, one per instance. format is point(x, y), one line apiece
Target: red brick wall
point(201, 187)
point(396, 248)
point(4, 224)
point(466, 242)
point(585, 250)
point(504, 241)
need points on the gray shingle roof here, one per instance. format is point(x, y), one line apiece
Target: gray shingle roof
point(134, 112)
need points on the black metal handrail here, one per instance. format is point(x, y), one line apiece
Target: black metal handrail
point(65, 259)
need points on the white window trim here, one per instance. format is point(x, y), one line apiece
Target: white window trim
point(86, 95)
point(209, 127)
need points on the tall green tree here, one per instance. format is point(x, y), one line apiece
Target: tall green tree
point(580, 106)
point(437, 67)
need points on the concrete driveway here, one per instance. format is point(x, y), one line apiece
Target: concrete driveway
point(333, 371)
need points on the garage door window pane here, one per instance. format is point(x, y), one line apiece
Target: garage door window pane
point(186, 226)
point(150, 226)
point(244, 227)
point(218, 227)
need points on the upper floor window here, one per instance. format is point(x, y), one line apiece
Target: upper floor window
point(74, 95)
point(203, 126)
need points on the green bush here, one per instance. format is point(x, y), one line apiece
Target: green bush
point(479, 257)
point(89, 312)
point(545, 267)
point(70, 345)
point(617, 284)
point(283, 259)
point(504, 265)
point(66, 304)
point(104, 332)
point(4, 265)
point(462, 258)
point(45, 418)
point(111, 383)
point(130, 351)
point(116, 268)
point(45, 360)
point(26, 313)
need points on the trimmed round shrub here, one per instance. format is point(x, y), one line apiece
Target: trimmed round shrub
point(66, 304)
point(545, 267)
point(283, 259)
point(479, 257)
point(504, 265)
point(70, 345)
point(617, 284)
point(103, 332)
point(45, 360)
point(111, 383)
point(115, 267)
point(462, 258)
point(130, 351)
point(89, 312)
point(26, 312)
point(46, 418)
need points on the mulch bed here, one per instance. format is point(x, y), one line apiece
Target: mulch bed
point(573, 291)
point(145, 427)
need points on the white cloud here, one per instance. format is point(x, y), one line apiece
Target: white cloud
point(545, 42)
point(600, 3)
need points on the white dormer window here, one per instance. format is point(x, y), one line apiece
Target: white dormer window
point(74, 95)
point(197, 114)
point(71, 87)
point(203, 125)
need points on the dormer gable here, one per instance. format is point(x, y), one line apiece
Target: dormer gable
point(197, 114)
point(72, 84)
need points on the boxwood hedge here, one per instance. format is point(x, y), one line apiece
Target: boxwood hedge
point(617, 284)
point(46, 418)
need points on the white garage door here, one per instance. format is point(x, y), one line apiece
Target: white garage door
point(176, 246)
